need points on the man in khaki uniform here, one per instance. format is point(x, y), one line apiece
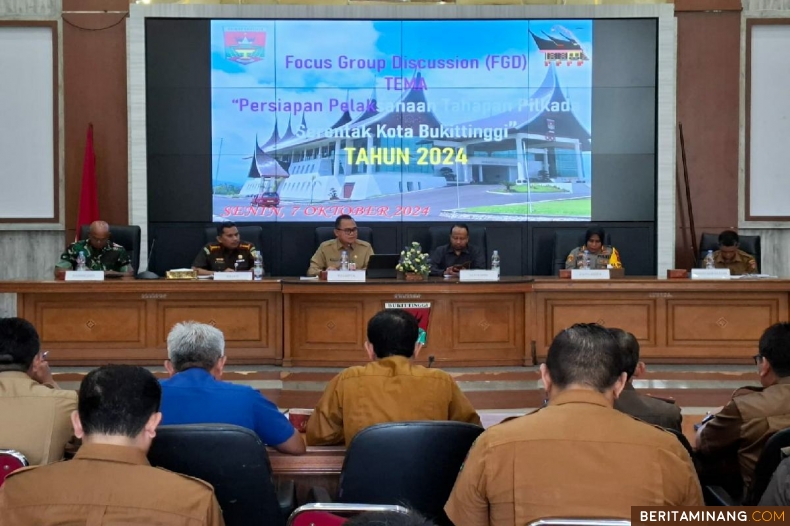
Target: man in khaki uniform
point(729, 256)
point(732, 440)
point(36, 413)
point(389, 389)
point(110, 481)
point(328, 255)
point(632, 402)
point(577, 457)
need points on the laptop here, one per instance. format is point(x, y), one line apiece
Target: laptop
point(382, 266)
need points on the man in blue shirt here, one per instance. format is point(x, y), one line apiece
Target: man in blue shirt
point(194, 393)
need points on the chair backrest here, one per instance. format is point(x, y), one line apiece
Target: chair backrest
point(566, 240)
point(232, 459)
point(413, 464)
point(769, 460)
point(440, 235)
point(580, 522)
point(10, 461)
point(128, 236)
point(248, 233)
point(325, 233)
point(749, 244)
point(334, 514)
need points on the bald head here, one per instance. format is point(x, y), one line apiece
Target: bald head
point(99, 234)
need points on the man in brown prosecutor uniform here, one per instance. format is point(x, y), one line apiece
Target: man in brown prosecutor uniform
point(577, 457)
point(227, 254)
point(110, 481)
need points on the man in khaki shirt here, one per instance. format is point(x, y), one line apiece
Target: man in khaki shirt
point(731, 257)
point(389, 389)
point(327, 257)
point(36, 417)
point(110, 481)
point(577, 457)
point(732, 440)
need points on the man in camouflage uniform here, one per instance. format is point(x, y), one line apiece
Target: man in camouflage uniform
point(227, 254)
point(100, 253)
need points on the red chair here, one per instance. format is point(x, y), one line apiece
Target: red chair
point(334, 514)
point(10, 461)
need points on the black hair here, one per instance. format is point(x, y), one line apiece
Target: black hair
point(393, 332)
point(595, 230)
point(339, 219)
point(729, 238)
point(222, 226)
point(585, 354)
point(118, 400)
point(19, 344)
point(459, 225)
point(629, 347)
point(775, 347)
point(389, 518)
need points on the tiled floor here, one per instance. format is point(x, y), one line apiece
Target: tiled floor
point(492, 390)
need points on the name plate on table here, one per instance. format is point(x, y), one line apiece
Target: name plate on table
point(599, 273)
point(233, 276)
point(84, 275)
point(345, 275)
point(478, 275)
point(710, 273)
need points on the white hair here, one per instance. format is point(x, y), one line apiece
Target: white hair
point(192, 344)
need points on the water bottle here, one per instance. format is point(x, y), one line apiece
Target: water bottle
point(586, 260)
point(257, 269)
point(344, 260)
point(709, 261)
point(81, 261)
point(495, 261)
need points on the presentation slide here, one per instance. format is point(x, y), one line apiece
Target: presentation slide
point(478, 120)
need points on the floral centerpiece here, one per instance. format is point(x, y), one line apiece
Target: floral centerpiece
point(414, 263)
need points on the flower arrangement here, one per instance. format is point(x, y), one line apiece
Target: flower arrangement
point(413, 260)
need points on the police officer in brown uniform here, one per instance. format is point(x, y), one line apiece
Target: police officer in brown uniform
point(561, 461)
point(227, 254)
point(731, 441)
point(110, 481)
point(600, 256)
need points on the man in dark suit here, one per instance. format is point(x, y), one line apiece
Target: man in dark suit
point(632, 402)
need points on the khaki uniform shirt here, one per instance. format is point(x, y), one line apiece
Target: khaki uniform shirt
point(328, 255)
point(577, 457)
point(600, 260)
point(744, 425)
point(740, 264)
point(106, 485)
point(36, 420)
point(218, 258)
point(649, 409)
point(391, 389)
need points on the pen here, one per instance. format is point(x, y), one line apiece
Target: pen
point(44, 355)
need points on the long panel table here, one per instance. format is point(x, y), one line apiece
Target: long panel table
point(306, 323)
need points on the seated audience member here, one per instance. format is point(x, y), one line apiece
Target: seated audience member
point(778, 491)
point(327, 257)
point(731, 257)
point(195, 393)
point(227, 254)
point(110, 481)
point(561, 459)
point(634, 403)
point(36, 417)
point(391, 388)
point(448, 260)
point(731, 441)
point(99, 251)
point(600, 256)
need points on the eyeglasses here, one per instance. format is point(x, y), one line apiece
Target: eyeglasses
point(757, 359)
point(349, 231)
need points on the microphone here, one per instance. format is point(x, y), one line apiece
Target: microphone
point(431, 358)
point(147, 274)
